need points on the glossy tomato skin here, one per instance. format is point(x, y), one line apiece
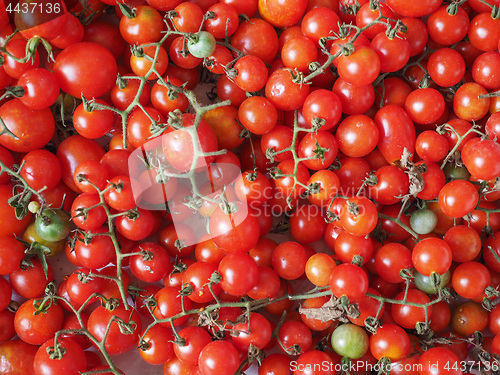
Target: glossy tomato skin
point(105, 34)
point(116, 342)
point(447, 29)
point(73, 151)
point(18, 118)
point(355, 99)
point(196, 339)
point(484, 31)
point(41, 168)
point(476, 155)
point(122, 98)
point(40, 22)
point(369, 13)
point(357, 135)
point(17, 48)
point(425, 106)
point(323, 158)
point(392, 183)
point(323, 104)
point(457, 198)
point(306, 363)
point(470, 279)
point(415, 9)
point(282, 13)
point(86, 69)
point(437, 361)
point(256, 37)
point(349, 280)
point(408, 316)
point(466, 103)
point(446, 67)
point(169, 304)
point(41, 88)
point(275, 364)
point(390, 259)
point(219, 358)
point(234, 282)
point(9, 224)
point(160, 348)
point(16, 357)
point(31, 282)
point(178, 145)
point(358, 216)
point(6, 158)
point(145, 27)
point(94, 123)
point(390, 341)
point(234, 232)
point(198, 275)
point(11, 254)
point(361, 67)
point(431, 255)
point(7, 331)
point(289, 259)
point(396, 131)
point(434, 179)
point(283, 92)
point(36, 329)
point(72, 362)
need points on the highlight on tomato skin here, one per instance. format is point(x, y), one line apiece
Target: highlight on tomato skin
point(255, 187)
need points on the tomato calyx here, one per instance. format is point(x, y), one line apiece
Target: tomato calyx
point(297, 77)
point(41, 306)
point(56, 352)
point(186, 290)
point(452, 9)
point(374, 5)
point(38, 250)
point(127, 10)
point(393, 31)
point(350, 8)
point(84, 278)
point(317, 123)
point(371, 179)
point(201, 44)
point(357, 260)
point(31, 49)
point(313, 66)
point(137, 51)
point(52, 224)
point(352, 208)
point(171, 14)
point(144, 345)
point(14, 92)
point(146, 255)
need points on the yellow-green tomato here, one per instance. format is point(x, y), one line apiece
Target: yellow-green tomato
point(349, 340)
point(201, 44)
point(53, 224)
point(30, 235)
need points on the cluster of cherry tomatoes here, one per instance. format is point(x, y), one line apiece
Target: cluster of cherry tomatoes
point(367, 131)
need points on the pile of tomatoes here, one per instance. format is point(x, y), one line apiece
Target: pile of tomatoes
point(327, 202)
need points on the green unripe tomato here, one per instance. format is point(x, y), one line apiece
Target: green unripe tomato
point(53, 225)
point(424, 283)
point(423, 221)
point(349, 340)
point(201, 44)
point(454, 172)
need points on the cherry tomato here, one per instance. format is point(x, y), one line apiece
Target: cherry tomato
point(116, 341)
point(86, 69)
